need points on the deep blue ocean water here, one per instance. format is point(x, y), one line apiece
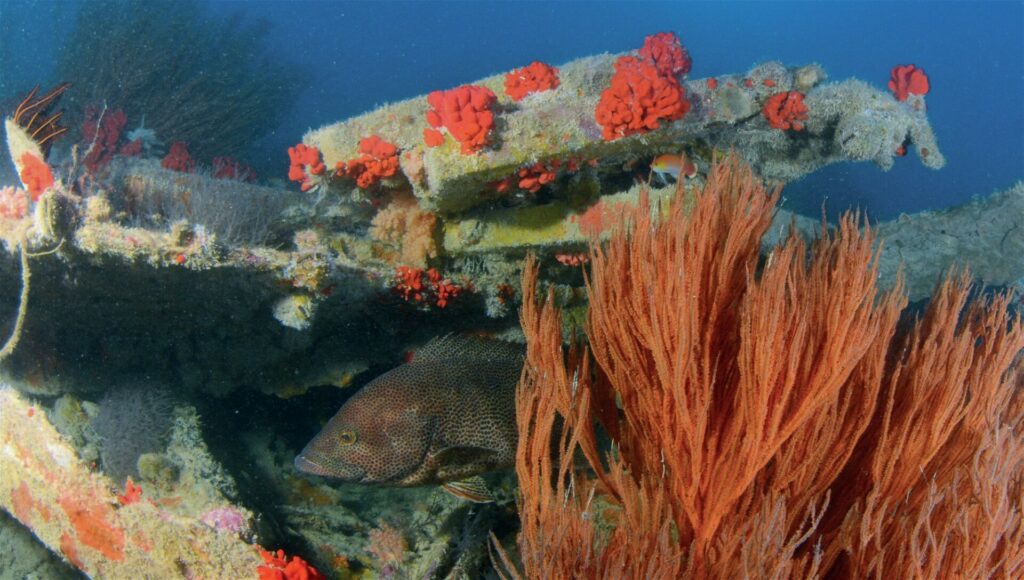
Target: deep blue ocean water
point(366, 53)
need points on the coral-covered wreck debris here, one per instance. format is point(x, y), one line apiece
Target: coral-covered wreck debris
point(416, 216)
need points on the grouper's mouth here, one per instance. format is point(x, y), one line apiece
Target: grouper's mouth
point(305, 464)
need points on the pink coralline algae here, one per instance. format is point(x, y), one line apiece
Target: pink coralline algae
point(226, 519)
point(906, 80)
point(667, 54)
point(178, 158)
point(101, 132)
point(13, 203)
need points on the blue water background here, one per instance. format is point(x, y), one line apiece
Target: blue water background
point(368, 53)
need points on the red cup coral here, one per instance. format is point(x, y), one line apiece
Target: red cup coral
point(535, 78)
point(785, 111)
point(538, 175)
point(178, 158)
point(667, 54)
point(305, 164)
point(465, 112)
point(638, 99)
point(424, 287)
point(378, 160)
point(906, 80)
point(36, 175)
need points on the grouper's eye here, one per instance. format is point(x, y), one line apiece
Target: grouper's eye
point(347, 437)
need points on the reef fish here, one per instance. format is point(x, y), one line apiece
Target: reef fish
point(674, 165)
point(444, 417)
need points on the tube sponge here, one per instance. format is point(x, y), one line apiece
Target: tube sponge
point(133, 419)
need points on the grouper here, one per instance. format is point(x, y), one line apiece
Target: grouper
point(443, 418)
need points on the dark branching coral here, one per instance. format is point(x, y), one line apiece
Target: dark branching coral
point(133, 419)
point(206, 81)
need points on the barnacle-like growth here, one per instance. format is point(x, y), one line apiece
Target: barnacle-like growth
point(33, 115)
point(31, 131)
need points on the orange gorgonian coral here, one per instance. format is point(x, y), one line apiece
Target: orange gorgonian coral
point(770, 419)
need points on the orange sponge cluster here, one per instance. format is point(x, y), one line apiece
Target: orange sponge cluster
point(278, 566)
point(465, 112)
point(906, 80)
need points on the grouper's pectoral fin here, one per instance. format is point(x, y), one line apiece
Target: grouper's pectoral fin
point(472, 489)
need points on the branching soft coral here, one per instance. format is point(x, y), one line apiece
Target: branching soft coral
point(768, 419)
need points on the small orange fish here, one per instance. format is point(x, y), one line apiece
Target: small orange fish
point(672, 165)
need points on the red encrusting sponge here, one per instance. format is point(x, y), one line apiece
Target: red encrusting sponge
point(667, 54)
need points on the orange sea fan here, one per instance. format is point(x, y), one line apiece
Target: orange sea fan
point(562, 530)
point(767, 417)
point(713, 366)
point(948, 436)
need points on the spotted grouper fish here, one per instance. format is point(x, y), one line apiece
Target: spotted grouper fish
point(443, 418)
